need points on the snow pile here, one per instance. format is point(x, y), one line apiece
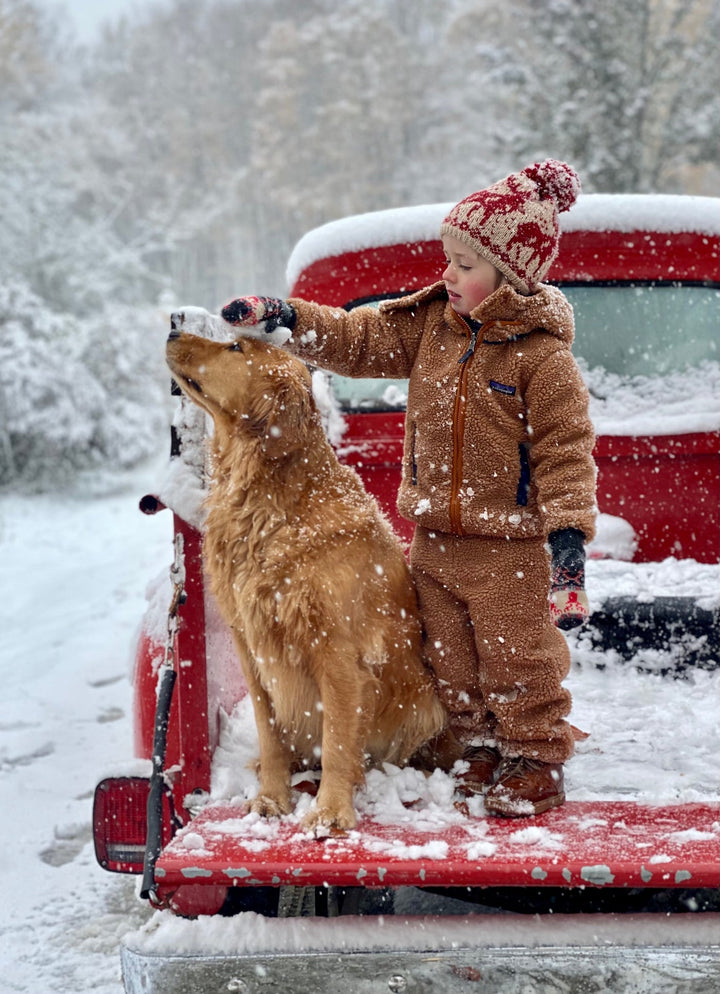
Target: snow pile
point(645, 581)
point(183, 486)
point(615, 538)
point(628, 754)
point(332, 418)
point(251, 933)
point(643, 212)
point(362, 231)
point(652, 739)
point(674, 404)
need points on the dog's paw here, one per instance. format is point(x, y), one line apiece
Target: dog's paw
point(270, 807)
point(198, 321)
point(326, 820)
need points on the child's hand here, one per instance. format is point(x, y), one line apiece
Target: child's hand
point(569, 605)
point(569, 608)
point(198, 321)
point(269, 312)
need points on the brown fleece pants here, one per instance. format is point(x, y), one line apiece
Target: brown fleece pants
point(498, 660)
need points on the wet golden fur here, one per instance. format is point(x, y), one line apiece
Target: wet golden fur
point(309, 577)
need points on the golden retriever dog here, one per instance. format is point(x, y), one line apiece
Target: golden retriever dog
point(309, 577)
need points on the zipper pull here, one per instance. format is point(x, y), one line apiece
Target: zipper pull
point(475, 327)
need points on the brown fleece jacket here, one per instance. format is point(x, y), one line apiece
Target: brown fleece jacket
point(498, 441)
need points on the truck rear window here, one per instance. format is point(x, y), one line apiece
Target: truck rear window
point(645, 330)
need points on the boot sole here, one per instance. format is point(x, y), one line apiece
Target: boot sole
point(521, 808)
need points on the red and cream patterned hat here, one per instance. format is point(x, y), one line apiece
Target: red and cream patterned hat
point(514, 223)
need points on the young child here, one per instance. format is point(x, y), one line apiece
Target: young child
point(497, 472)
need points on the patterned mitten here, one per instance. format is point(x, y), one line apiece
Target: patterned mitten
point(568, 601)
point(198, 321)
point(270, 312)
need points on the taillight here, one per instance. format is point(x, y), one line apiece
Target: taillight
point(120, 823)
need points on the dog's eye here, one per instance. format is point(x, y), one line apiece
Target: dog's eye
point(235, 347)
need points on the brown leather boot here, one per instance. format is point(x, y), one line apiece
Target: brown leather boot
point(525, 787)
point(483, 761)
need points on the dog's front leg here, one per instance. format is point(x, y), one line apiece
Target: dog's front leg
point(342, 686)
point(273, 797)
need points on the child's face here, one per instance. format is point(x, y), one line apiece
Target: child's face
point(468, 278)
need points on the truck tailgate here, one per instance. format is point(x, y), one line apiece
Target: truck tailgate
point(614, 843)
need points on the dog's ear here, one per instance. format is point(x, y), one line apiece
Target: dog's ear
point(282, 416)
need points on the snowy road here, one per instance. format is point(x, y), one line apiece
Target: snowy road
point(72, 593)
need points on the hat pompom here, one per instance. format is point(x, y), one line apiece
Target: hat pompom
point(555, 180)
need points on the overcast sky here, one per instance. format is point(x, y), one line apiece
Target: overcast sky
point(88, 15)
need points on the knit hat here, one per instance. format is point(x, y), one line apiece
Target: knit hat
point(514, 223)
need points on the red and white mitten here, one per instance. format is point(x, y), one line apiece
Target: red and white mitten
point(266, 318)
point(270, 312)
point(569, 606)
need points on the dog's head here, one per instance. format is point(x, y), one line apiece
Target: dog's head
point(248, 387)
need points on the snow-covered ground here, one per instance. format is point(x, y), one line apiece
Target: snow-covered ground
point(72, 591)
point(72, 586)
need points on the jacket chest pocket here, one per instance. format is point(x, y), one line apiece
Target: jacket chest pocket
point(505, 405)
point(510, 422)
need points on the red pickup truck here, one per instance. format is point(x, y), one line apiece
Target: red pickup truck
point(643, 275)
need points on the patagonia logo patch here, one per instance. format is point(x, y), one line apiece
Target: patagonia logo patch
point(502, 388)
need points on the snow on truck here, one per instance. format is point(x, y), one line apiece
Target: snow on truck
point(427, 893)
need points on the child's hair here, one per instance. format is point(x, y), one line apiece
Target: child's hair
point(500, 278)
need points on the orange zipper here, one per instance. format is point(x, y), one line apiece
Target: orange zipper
point(458, 429)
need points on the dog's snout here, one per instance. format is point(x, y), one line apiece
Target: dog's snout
point(174, 333)
point(176, 322)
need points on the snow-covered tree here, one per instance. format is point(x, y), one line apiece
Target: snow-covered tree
point(628, 92)
point(75, 394)
point(66, 268)
point(27, 68)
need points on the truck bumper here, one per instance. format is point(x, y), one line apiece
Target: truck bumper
point(483, 954)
